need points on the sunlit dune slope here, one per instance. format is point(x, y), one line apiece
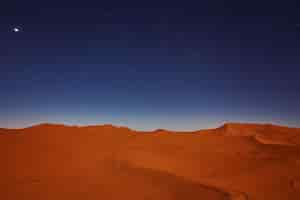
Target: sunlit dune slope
point(235, 161)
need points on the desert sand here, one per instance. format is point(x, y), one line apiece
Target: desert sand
point(235, 161)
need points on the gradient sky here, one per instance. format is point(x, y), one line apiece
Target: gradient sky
point(170, 65)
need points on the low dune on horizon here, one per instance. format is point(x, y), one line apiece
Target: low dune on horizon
point(235, 161)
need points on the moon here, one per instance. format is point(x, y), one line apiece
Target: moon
point(16, 30)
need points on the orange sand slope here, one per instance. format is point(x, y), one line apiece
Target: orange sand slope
point(235, 161)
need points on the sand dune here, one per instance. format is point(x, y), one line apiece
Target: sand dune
point(235, 161)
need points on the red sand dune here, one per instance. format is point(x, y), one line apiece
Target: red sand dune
point(235, 161)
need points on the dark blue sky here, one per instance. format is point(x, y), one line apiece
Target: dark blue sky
point(144, 65)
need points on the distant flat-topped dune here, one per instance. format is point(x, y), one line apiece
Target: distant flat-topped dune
point(235, 161)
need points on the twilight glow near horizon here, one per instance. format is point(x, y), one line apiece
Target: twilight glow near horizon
point(183, 67)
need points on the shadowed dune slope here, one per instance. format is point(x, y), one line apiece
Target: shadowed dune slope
point(235, 161)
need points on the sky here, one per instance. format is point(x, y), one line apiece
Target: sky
point(178, 66)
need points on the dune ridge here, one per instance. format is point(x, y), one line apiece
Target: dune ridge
point(234, 161)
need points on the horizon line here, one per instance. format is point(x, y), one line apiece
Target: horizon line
point(152, 130)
